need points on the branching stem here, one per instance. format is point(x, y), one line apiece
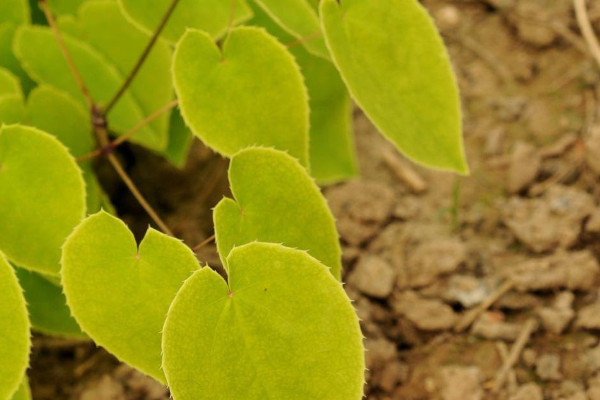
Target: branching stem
point(142, 58)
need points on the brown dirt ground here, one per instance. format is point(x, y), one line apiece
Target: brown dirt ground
point(424, 250)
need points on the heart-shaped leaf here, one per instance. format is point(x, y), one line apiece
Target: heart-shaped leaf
point(41, 57)
point(14, 331)
point(47, 306)
point(299, 19)
point(282, 328)
point(332, 155)
point(250, 94)
point(34, 166)
point(212, 16)
point(122, 44)
point(101, 257)
point(397, 69)
point(275, 201)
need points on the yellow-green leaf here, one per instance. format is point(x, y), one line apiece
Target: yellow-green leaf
point(397, 69)
point(251, 93)
point(14, 331)
point(275, 201)
point(212, 16)
point(43, 197)
point(120, 294)
point(281, 328)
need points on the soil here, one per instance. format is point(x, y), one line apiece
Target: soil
point(479, 287)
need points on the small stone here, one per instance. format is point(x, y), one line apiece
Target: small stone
point(392, 374)
point(529, 357)
point(574, 271)
point(460, 383)
point(429, 260)
point(551, 221)
point(592, 149)
point(373, 276)
point(426, 314)
point(547, 367)
point(529, 391)
point(525, 163)
point(448, 17)
point(589, 316)
point(556, 318)
point(107, 388)
point(593, 224)
point(379, 352)
point(491, 327)
point(362, 201)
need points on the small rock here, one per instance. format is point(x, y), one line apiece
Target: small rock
point(407, 208)
point(448, 17)
point(461, 383)
point(529, 391)
point(489, 326)
point(589, 316)
point(524, 167)
point(392, 374)
point(592, 149)
point(574, 271)
point(553, 220)
point(379, 352)
point(529, 357)
point(593, 224)
point(373, 276)
point(430, 260)
point(107, 388)
point(362, 201)
point(426, 314)
point(556, 318)
point(463, 289)
point(514, 300)
point(547, 367)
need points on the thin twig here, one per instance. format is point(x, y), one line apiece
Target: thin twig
point(117, 142)
point(586, 29)
point(63, 48)
point(102, 135)
point(138, 196)
point(145, 122)
point(142, 58)
point(304, 39)
point(471, 315)
point(203, 243)
point(515, 352)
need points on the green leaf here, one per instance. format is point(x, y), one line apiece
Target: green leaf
point(15, 11)
point(101, 257)
point(211, 16)
point(299, 19)
point(251, 94)
point(7, 58)
point(332, 155)
point(14, 331)
point(43, 197)
point(282, 328)
point(38, 51)
point(61, 115)
point(397, 69)
point(65, 7)
point(180, 140)
point(275, 201)
point(9, 84)
point(24, 393)
point(12, 109)
point(122, 45)
point(47, 306)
